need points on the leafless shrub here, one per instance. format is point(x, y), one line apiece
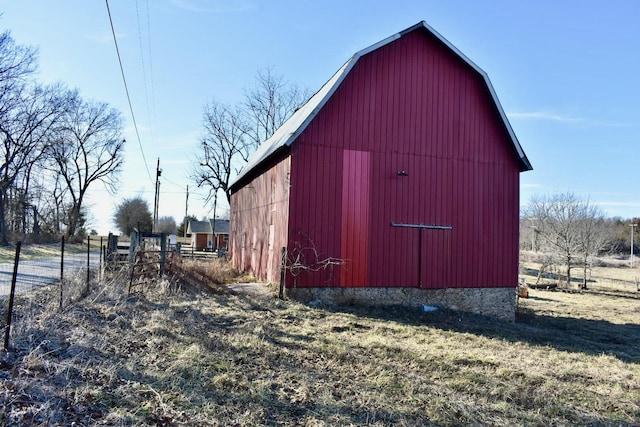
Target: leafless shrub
point(305, 258)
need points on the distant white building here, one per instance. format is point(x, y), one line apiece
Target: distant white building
point(209, 234)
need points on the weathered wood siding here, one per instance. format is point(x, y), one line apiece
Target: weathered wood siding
point(259, 218)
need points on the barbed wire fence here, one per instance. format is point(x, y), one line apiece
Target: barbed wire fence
point(64, 270)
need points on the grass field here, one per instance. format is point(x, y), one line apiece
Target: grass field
point(198, 353)
point(36, 251)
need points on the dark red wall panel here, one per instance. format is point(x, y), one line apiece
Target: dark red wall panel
point(409, 106)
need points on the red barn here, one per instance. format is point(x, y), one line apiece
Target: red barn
point(396, 183)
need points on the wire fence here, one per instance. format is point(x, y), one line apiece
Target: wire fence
point(25, 269)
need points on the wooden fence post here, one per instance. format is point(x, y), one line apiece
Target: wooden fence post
point(283, 267)
point(61, 270)
point(7, 330)
point(88, 259)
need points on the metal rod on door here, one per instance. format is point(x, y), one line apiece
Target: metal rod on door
point(423, 226)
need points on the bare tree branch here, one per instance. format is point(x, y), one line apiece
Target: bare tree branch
point(88, 149)
point(270, 103)
point(17, 65)
point(223, 148)
point(26, 129)
point(304, 257)
point(231, 134)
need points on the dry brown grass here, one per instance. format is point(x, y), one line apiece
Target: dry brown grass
point(192, 353)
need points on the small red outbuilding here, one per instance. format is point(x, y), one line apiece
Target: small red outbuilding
point(396, 183)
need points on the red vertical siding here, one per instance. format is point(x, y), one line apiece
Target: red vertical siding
point(314, 216)
point(354, 241)
point(408, 106)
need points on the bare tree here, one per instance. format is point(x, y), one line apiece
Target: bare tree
point(51, 204)
point(26, 130)
point(47, 133)
point(232, 134)
point(571, 228)
point(223, 148)
point(133, 214)
point(167, 224)
point(270, 103)
point(17, 64)
point(22, 204)
point(558, 216)
point(594, 234)
point(89, 149)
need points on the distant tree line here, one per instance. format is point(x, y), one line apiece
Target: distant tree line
point(571, 231)
point(55, 145)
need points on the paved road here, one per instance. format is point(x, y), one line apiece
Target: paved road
point(44, 271)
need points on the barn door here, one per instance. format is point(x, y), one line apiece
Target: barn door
point(436, 259)
point(434, 247)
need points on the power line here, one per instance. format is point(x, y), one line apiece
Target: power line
point(194, 193)
point(153, 93)
point(144, 70)
point(126, 88)
point(172, 182)
point(148, 83)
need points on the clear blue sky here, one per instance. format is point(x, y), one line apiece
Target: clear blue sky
point(566, 72)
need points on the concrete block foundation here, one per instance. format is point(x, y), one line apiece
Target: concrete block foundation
point(499, 303)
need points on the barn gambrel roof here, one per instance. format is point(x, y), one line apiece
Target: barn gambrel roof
point(298, 122)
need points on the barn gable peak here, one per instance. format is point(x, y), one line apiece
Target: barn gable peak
point(298, 122)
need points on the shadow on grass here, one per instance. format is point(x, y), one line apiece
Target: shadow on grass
point(535, 298)
point(592, 337)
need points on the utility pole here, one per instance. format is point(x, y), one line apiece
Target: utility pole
point(213, 223)
point(633, 226)
point(156, 201)
point(186, 210)
point(534, 234)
